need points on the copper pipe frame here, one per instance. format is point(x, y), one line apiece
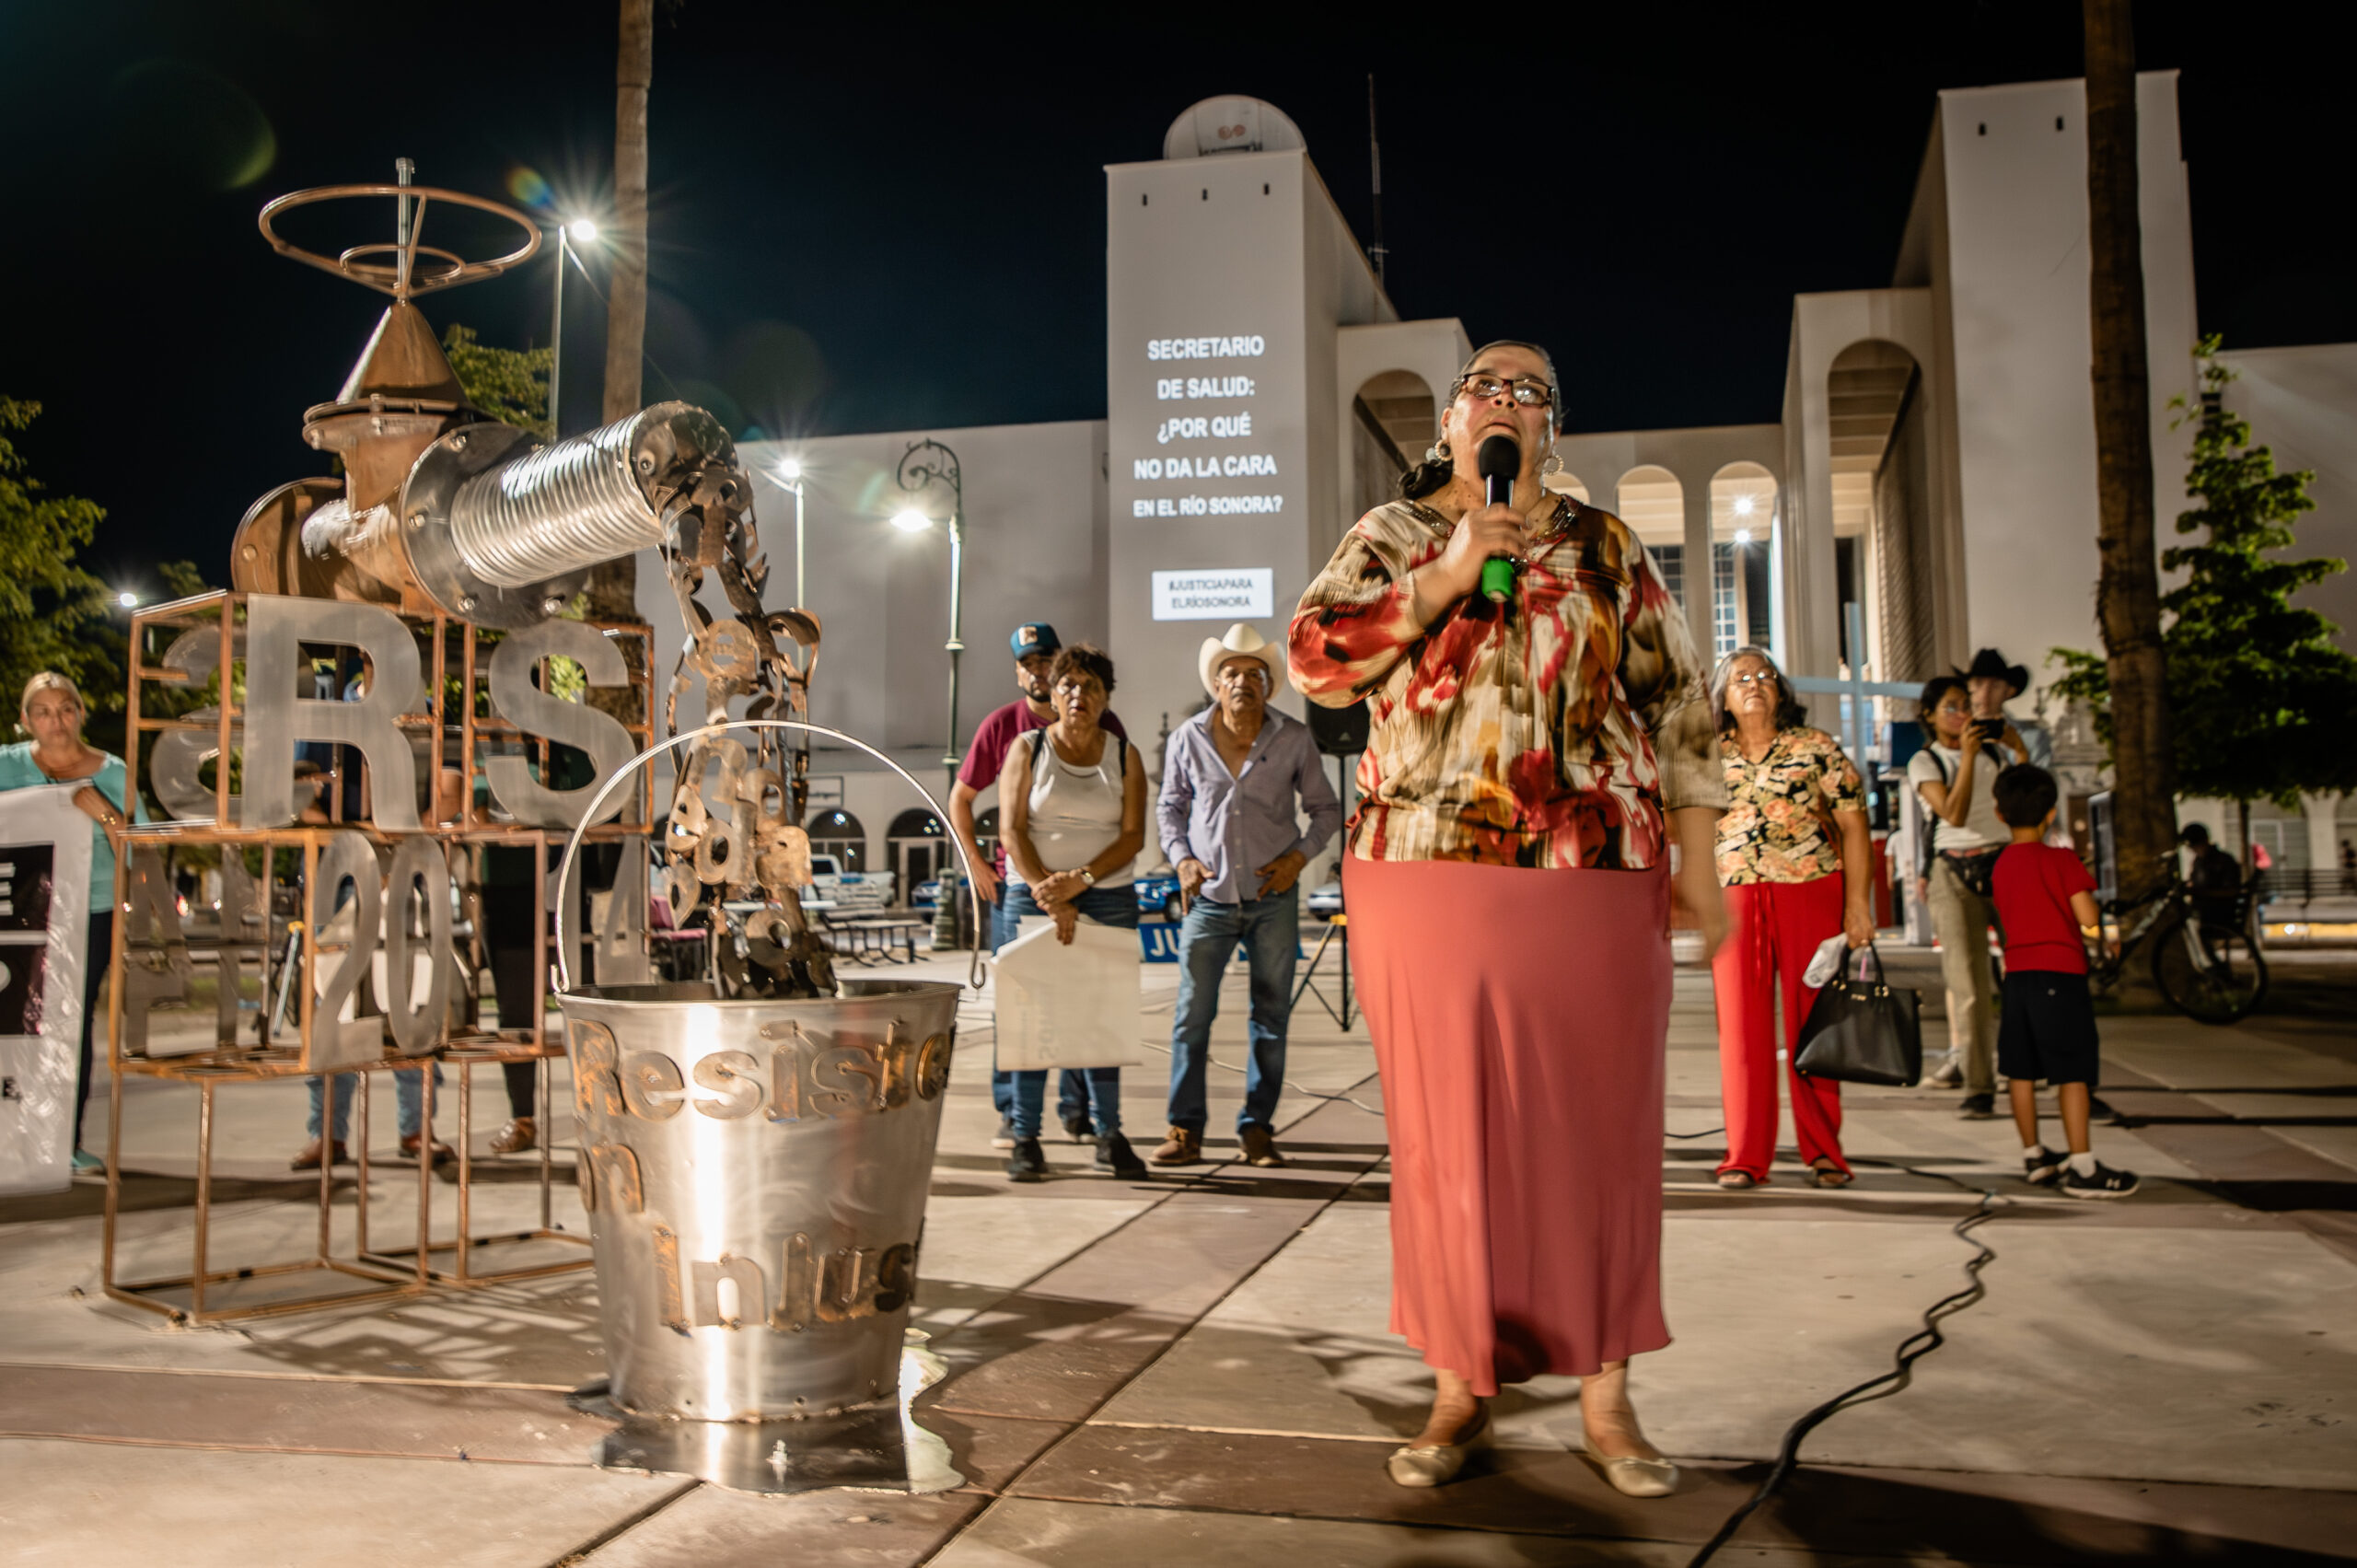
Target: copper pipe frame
point(269, 1058)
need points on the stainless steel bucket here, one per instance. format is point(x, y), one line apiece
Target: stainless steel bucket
point(756, 1174)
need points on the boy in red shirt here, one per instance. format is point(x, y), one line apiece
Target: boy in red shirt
point(2047, 1029)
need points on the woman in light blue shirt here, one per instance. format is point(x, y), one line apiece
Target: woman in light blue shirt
point(52, 712)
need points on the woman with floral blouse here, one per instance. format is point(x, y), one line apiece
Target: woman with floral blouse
point(1508, 883)
point(1788, 890)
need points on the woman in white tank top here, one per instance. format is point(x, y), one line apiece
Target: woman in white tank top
point(1072, 808)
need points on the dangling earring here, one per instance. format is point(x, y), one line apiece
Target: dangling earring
point(1554, 463)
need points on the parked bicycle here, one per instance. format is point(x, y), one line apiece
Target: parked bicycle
point(2206, 957)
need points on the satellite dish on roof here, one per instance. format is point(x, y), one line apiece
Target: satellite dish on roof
point(1230, 125)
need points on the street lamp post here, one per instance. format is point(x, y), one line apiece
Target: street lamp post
point(586, 231)
point(788, 475)
point(556, 340)
point(921, 465)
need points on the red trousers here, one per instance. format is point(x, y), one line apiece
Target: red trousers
point(1773, 930)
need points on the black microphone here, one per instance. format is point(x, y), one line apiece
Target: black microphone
point(1499, 461)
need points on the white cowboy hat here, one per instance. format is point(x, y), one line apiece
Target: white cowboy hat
point(1240, 641)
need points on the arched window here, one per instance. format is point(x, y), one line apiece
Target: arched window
point(918, 848)
point(839, 833)
point(1652, 503)
point(1742, 524)
point(1567, 483)
point(1882, 505)
point(1394, 421)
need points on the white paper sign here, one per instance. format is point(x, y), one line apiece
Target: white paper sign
point(44, 923)
point(1235, 592)
point(1060, 1006)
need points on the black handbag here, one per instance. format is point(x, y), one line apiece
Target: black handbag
point(1864, 1031)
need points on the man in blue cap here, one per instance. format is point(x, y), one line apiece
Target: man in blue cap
point(1035, 645)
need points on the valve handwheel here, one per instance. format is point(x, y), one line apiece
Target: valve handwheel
point(414, 268)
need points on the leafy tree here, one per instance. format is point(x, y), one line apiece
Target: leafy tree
point(613, 584)
point(511, 385)
point(182, 578)
point(2261, 695)
point(53, 612)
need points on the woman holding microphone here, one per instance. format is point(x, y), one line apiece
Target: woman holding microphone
point(1532, 760)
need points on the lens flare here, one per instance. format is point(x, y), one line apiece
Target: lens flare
point(526, 185)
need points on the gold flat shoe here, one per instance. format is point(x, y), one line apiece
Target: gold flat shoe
point(1634, 1477)
point(1435, 1466)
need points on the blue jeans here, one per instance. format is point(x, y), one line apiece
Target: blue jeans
point(1270, 931)
point(1071, 1089)
point(1099, 1087)
point(409, 1097)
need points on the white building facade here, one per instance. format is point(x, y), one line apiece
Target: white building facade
point(1933, 464)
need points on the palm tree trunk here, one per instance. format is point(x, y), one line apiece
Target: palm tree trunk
point(2128, 592)
point(613, 586)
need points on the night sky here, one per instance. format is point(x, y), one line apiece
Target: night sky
point(875, 218)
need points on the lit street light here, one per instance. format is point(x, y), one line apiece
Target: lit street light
point(580, 231)
point(128, 599)
point(789, 474)
point(911, 521)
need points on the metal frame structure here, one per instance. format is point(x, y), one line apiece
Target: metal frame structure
point(392, 1272)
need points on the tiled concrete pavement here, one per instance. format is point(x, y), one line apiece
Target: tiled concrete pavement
point(1196, 1368)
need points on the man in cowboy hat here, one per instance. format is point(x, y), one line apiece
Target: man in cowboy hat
point(1237, 777)
point(1991, 683)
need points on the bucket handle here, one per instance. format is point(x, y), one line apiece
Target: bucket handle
point(568, 916)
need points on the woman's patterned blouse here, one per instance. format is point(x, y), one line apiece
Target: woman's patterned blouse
point(1551, 731)
point(1775, 829)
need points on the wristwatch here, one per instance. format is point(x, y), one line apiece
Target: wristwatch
point(1088, 876)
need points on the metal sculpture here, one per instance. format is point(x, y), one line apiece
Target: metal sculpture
point(447, 511)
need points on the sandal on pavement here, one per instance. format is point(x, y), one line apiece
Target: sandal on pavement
point(1437, 1465)
point(1739, 1180)
point(1825, 1173)
point(1633, 1477)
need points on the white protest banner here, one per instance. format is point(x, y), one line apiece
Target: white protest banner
point(1060, 1006)
point(44, 925)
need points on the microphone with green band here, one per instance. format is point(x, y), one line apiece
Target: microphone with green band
point(1499, 461)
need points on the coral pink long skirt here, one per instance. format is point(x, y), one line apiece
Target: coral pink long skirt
point(1519, 1018)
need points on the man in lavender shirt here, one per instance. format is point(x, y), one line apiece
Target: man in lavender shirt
point(1234, 785)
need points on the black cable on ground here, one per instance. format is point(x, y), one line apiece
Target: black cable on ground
point(1911, 1350)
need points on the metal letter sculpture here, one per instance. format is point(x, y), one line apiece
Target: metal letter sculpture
point(754, 1148)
